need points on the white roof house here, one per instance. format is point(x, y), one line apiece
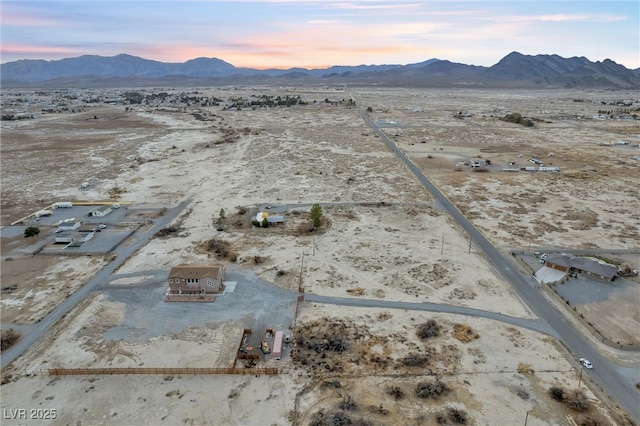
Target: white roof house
point(272, 219)
point(68, 225)
point(102, 211)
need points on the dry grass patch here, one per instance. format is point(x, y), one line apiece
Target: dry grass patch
point(464, 333)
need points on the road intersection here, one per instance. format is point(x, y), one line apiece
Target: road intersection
point(615, 380)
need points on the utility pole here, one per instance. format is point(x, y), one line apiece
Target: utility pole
point(442, 246)
point(301, 266)
point(470, 243)
point(313, 243)
point(580, 376)
point(526, 418)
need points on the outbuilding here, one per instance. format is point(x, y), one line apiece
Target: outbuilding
point(62, 205)
point(68, 225)
point(74, 237)
point(271, 219)
point(102, 211)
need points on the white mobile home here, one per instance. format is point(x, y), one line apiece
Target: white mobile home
point(101, 211)
point(62, 205)
point(549, 169)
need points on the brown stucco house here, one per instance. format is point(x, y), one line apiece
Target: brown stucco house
point(197, 283)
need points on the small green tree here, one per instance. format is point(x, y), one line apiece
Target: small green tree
point(221, 217)
point(316, 214)
point(265, 223)
point(31, 231)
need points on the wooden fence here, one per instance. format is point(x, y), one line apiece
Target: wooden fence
point(159, 371)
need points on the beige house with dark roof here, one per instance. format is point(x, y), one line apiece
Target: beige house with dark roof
point(582, 265)
point(197, 283)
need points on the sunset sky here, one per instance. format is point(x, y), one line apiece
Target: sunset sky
point(318, 34)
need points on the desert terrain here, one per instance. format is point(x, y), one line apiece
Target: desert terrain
point(382, 237)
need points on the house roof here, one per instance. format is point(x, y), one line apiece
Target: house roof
point(195, 271)
point(584, 264)
point(102, 208)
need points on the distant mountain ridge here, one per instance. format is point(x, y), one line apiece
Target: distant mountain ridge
point(512, 70)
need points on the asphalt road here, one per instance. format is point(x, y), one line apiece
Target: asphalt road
point(531, 324)
point(34, 332)
point(614, 380)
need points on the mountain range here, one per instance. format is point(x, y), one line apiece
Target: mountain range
point(514, 70)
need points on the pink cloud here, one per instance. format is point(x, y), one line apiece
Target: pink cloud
point(25, 19)
point(31, 50)
point(323, 22)
point(371, 6)
point(564, 17)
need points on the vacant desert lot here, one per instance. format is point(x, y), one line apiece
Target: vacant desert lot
point(382, 238)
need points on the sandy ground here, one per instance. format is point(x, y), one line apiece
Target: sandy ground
point(382, 238)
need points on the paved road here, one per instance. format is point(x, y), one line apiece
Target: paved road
point(34, 332)
point(531, 324)
point(615, 380)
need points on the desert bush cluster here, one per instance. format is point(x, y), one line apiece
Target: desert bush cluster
point(166, 231)
point(455, 415)
point(9, 338)
point(337, 418)
point(576, 400)
point(431, 389)
point(429, 329)
point(221, 249)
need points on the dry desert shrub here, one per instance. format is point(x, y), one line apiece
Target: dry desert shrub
point(348, 404)
point(429, 329)
point(166, 231)
point(557, 393)
point(456, 415)
point(358, 291)
point(577, 400)
point(525, 368)
point(305, 227)
point(9, 338)
point(431, 389)
point(416, 360)
point(221, 249)
point(396, 392)
point(338, 418)
point(594, 419)
point(464, 333)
